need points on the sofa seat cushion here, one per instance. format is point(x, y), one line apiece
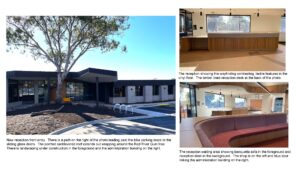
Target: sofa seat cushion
point(223, 139)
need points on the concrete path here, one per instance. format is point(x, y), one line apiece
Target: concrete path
point(137, 125)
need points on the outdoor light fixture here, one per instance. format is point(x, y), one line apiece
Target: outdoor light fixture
point(220, 92)
point(230, 12)
point(201, 12)
point(257, 12)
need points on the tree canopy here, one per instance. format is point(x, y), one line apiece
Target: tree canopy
point(62, 40)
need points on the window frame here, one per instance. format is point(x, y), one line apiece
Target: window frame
point(245, 102)
point(121, 91)
point(214, 94)
point(77, 92)
point(154, 91)
point(139, 92)
point(172, 90)
point(250, 26)
point(281, 24)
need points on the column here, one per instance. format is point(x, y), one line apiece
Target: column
point(97, 92)
point(130, 94)
point(148, 91)
point(163, 92)
point(36, 92)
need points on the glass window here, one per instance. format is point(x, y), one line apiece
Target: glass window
point(239, 102)
point(155, 90)
point(119, 91)
point(182, 23)
point(185, 22)
point(75, 90)
point(226, 23)
point(278, 104)
point(170, 90)
point(213, 100)
point(26, 88)
point(139, 91)
point(282, 25)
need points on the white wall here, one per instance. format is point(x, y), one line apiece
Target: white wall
point(130, 93)
point(268, 102)
point(263, 23)
point(163, 92)
point(148, 91)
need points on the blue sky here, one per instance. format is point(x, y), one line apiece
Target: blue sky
point(151, 54)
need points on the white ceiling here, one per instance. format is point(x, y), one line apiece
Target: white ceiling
point(244, 11)
point(227, 90)
point(237, 90)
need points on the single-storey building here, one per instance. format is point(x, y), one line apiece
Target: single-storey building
point(34, 87)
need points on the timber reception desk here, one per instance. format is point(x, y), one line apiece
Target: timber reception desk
point(231, 42)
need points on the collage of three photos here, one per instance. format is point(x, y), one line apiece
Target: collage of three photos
point(103, 75)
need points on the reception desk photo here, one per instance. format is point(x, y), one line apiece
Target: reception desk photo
point(213, 40)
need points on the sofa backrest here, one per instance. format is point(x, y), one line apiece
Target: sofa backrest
point(251, 121)
point(210, 127)
point(276, 118)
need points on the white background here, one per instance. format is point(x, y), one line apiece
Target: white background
point(168, 157)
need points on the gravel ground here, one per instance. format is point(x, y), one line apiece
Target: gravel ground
point(19, 122)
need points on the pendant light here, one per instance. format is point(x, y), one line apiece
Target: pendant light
point(283, 14)
point(257, 13)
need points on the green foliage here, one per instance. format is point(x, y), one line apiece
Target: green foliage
point(62, 40)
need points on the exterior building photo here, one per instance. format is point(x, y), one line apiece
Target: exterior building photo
point(67, 86)
point(34, 87)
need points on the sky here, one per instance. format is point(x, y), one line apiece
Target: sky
point(151, 52)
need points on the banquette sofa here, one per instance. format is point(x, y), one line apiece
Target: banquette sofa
point(241, 130)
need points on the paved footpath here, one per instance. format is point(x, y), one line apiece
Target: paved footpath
point(137, 125)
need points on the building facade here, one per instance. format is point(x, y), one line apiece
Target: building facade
point(34, 87)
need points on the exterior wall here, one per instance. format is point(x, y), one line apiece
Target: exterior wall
point(156, 98)
point(163, 92)
point(130, 94)
point(148, 91)
point(172, 96)
point(117, 100)
point(139, 99)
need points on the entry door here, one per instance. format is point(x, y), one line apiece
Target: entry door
point(278, 104)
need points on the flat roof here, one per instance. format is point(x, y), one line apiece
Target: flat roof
point(88, 75)
point(143, 82)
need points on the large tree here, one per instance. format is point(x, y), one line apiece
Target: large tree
point(62, 40)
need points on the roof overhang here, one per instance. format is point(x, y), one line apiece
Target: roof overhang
point(87, 75)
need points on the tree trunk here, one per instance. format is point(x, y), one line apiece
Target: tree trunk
point(59, 86)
